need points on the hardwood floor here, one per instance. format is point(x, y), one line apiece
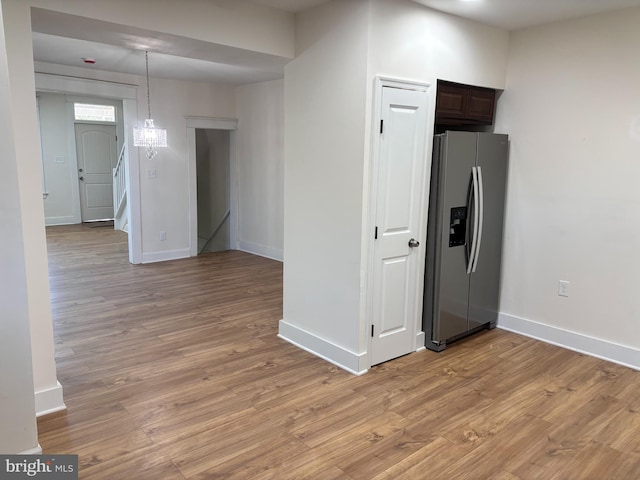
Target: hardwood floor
point(174, 371)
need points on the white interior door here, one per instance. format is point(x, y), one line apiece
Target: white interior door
point(97, 156)
point(398, 268)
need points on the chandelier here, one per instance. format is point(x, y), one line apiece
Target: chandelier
point(149, 136)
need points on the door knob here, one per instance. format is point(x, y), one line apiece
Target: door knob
point(81, 178)
point(414, 243)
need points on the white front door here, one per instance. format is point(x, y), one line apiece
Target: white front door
point(97, 156)
point(398, 262)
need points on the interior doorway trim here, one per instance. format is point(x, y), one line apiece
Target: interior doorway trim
point(210, 123)
point(46, 82)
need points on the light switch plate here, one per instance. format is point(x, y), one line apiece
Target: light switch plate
point(563, 288)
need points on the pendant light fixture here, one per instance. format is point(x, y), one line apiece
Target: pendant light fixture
point(149, 136)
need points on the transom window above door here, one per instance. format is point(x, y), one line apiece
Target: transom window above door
point(85, 112)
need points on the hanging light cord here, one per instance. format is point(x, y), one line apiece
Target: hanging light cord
point(146, 57)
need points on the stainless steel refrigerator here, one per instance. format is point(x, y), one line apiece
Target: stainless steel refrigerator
point(464, 235)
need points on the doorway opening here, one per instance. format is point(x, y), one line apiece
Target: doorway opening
point(213, 189)
point(80, 138)
point(213, 184)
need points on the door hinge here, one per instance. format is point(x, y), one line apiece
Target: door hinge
point(372, 330)
point(381, 126)
point(375, 235)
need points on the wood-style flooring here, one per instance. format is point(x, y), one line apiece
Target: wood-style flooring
point(174, 371)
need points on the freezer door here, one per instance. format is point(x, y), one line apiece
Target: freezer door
point(485, 281)
point(458, 158)
point(430, 304)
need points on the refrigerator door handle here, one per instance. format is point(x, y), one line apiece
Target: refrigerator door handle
point(480, 218)
point(472, 253)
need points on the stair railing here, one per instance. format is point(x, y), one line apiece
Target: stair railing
point(119, 185)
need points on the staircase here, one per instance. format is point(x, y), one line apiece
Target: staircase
point(121, 219)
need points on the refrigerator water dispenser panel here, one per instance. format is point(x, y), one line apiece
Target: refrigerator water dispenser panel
point(458, 226)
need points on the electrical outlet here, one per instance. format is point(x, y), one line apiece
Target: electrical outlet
point(563, 288)
point(163, 236)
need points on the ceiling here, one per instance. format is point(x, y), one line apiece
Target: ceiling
point(516, 14)
point(64, 39)
point(291, 5)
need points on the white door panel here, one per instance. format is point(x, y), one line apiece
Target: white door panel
point(394, 280)
point(97, 156)
point(99, 196)
point(396, 271)
point(400, 171)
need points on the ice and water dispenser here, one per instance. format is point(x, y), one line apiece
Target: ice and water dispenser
point(458, 226)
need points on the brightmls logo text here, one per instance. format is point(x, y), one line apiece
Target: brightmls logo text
point(50, 467)
point(30, 468)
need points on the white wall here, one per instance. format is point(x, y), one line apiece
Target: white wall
point(212, 165)
point(60, 203)
point(165, 199)
point(19, 53)
point(17, 404)
point(572, 110)
point(260, 163)
point(411, 41)
point(325, 94)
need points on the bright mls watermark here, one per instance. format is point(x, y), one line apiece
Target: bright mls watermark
point(50, 467)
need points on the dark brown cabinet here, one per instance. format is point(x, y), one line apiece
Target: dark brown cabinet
point(459, 104)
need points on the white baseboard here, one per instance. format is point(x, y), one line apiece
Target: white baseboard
point(49, 400)
point(261, 250)
point(166, 255)
point(595, 347)
point(329, 351)
point(32, 451)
